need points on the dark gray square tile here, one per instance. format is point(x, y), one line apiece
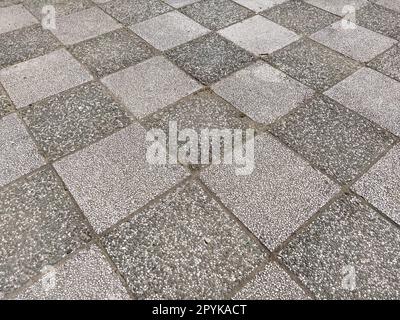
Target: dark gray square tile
point(300, 16)
point(74, 119)
point(184, 246)
point(210, 58)
point(62, 7)
point(313, 64)
point(39, 226)
point(6, 105)
point(348, 252)
point(216, 14)
point(134, 11)
point(388, 63)
point(24, 44)
point(380, 19)
point(112, 52)
point(333, 138)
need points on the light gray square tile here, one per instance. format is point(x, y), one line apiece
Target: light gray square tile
point(262, 92)
point(272, 283)
point(373, 95)
point(38, 78)
point(276, 198)
point(112, 178)
point(184, 246)
point(348, 252)
point(83, 25)
point(39, 226)
point(259, 5)
point(381, 185)
point(15, 17)
point(169, 30)
point(19, 155)
point(338, 7)
point(161, 83)
point(85, 276)
point(360, 44)
point(259, 35)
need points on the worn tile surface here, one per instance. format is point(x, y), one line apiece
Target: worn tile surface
point(19, 154)
point(348, 252)
point(373, 95)
point(216, 14)
point(169, 30)
point(40, 225)
point(112, 52)
point(88, 112)
point(262, 92)
point(112, 178)
point(333, 138)
point(313, 64)
point(259, 35)
point(210, 58)
point(155, 89)
point(184, 246)
point(74, 119)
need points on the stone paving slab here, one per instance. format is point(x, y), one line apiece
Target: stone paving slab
point(62, 7)
point(388, 63)
point(15, 17)
point(338, 7)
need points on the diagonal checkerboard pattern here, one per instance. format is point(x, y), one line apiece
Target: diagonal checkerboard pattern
point(317, 80)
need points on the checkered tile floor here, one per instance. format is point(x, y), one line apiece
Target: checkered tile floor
point(319, 217)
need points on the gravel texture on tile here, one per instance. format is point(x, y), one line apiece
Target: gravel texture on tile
point(24, 44)
point(339, 7)
point(74, 119)
point(300, 17)
point(19, 154)
point(313, 64)
point(39, 226)
point(348, 252)
point(6, 105)
point(333, 138)
point(7, 3)
point(210, 58)
point(83, 25)
point(359, 44)
point(169, 30)
point(390, 4)
point(112, 52)
point(162, 83)
point(272, 283)
point(134, 11)
point(39, 78)
point(183, 247)
point(373, 95)
point(15, 17)
point(113, 178)
point(388, 63)
point(277, 197)
point(259, 5)
point(62, 7)
point(380, 19)
point(86, 276)
point(180, 3)
point(262, 92)
point(216, 14)
point(381, 185)
point(259, 35)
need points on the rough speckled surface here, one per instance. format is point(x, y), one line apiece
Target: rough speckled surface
point(6, 105)
point(348, 252)
point(74, 119)
point(112, 52)
point(184, 246)
point(313, 64)
point(333, 138)
point(216, 14)
point(15, 17)
point(272, 283)
point(280, 194)
point(388, 63)
point(86, 276)
point(210, 58)
point(259, 5)
point(39, 224)
point(338, 7)
point(62, 7)
point(300, 17)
